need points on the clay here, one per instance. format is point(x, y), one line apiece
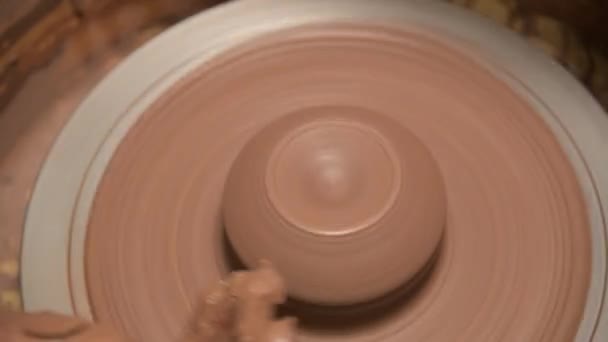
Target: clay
point(516, 234)
point(239, 308)
point(339, 182)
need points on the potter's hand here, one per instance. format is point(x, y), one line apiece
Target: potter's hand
point(213, 319)
point(241, 308)
point(257, 293)
point(44, 326)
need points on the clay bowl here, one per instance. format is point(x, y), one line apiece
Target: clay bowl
point(348, 204)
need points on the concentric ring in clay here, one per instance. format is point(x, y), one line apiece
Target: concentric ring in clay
point(91, 152)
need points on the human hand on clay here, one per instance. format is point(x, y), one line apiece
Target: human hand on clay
point(257, 293)
point(241, 308)
point(237, 309)
point(46, 326)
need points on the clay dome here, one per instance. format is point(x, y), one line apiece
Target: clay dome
point(348, 204)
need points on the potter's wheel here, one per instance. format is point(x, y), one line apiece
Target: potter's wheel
point(126, 222)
